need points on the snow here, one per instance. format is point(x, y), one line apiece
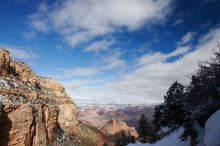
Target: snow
point(201, 134)
point(212, 130)
point(4, 83)
point(173, 140)
point(208, 137)
point(140, 144)
point(170, 140)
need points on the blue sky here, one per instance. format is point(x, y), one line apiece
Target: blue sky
point(111, 51)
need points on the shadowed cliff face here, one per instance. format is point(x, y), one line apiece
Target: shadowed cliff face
point(5, 128)
point(36, 110)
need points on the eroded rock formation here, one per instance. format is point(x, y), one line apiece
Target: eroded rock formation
point(36, 111)
point(114, 127)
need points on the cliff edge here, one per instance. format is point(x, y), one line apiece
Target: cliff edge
point(36, 111)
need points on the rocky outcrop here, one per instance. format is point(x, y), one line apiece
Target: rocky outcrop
point(114, 127)
point(18, 69)
point(36, 111)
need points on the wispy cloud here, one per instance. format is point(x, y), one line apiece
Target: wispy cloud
point(188, 37)
point(29, 35)
point(150, 58)
point(148, 82)
point(80, 72)
point(20, 52)
point(102, 45)
point(78, 21)
point(178, 21)
point(113, 60)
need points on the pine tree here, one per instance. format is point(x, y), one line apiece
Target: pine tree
point(159, 117)
point(175, 108)
point(174, 112)
point(145, 130)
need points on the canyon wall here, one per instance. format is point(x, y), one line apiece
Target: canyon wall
point(36, 111)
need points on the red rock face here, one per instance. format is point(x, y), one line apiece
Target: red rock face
point(36, 111)
point(28, 125)
point(114, 127)
point(17, 69)
point(4, 62)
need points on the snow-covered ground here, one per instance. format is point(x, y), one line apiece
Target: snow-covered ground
point(212, 130)
point(140, 144)
point(171, 140)
point(210, 136)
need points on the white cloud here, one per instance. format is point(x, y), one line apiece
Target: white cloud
point(29, 35)
point(178, 21)
point(148, 82)
point(80, 72)
point(180, 51)
point(160, 57)
point(99, 46)
point(75, 84)
point(19, 52)
point(78, 21)
point(112, 61)
point(151, 80)
point(188, 37)
point(39, 20)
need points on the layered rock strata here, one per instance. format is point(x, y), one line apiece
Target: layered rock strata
point(36, 111)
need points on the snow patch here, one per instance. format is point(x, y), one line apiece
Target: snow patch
point(201, 134)
point(140, 144)
point(212, 130)
point(170, 140)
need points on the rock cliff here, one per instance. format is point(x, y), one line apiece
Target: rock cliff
point(112, 130)
point(36, 111)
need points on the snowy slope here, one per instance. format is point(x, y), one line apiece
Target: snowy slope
point(212, 130)
point(140, 144)
point(171, 140)
point(211, 138)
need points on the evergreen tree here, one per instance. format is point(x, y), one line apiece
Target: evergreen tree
point(123, 139)
point(145, 130)
point(159, 117)
point(174, 112)
point(197, 103)
point(175, 108)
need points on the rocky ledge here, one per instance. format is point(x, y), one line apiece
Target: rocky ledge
point(114, 128)
point(36, 111)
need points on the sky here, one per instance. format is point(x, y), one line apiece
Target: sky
point(112, 51)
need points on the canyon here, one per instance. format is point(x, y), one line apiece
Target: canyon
point(99, 115)
point(36, 111)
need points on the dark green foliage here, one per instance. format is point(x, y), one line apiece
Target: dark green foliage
point(145, 130)
point(197, 102)
point(175, 108)
point(189, 130)
point(205, 82)
point(174, 111)
point(159, 117)
point(143, 127)
point(123, 139)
